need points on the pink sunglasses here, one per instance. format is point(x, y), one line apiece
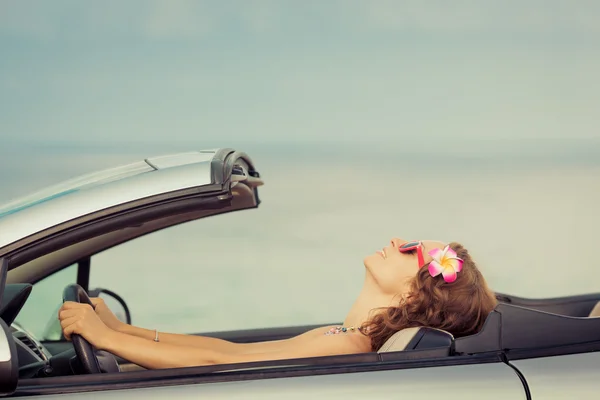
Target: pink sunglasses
point(412, 246)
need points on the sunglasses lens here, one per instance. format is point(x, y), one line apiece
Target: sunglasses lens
point(409, 245)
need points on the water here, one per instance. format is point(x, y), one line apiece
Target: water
point(532, 225)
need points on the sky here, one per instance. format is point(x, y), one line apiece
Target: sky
point(471, 76)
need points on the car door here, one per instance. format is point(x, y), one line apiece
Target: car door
point(489, 380)
point(459, 382)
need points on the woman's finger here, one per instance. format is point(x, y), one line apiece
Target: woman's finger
point(72, 326)
point(69, 321)
point(96, 300)
point(68, 313)
point(68, 331)
point(67, 305)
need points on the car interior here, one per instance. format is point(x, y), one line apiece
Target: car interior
point(509, 327)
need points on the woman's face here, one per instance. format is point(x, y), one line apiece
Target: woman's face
point(392, 270)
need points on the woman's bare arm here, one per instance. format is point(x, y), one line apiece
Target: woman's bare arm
point(81, 319)
point(205, 342)
point(224, 346)
point(152, 355)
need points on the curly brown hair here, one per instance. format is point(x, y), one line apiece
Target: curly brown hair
point(460, 307)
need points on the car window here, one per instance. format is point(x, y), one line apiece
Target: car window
point(39, 313)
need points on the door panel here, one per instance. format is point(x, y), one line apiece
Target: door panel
point(484, 381)
point(574, 376)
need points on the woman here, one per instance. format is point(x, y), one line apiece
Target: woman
point(407, 284)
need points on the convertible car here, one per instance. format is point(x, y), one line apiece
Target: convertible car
point(528, 349)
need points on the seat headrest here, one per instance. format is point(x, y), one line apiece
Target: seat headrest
point(417, 338)
point(595, 311)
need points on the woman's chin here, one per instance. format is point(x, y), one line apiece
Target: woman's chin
point(372, 260)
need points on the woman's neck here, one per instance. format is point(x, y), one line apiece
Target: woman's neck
point(368, 301)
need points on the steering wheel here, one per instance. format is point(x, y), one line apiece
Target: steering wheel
point(83, 349)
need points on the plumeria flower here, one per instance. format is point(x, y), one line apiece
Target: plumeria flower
point(445, 262)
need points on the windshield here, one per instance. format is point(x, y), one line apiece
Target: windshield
point(73, 185)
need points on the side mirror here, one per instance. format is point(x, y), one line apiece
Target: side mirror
point(9, 363)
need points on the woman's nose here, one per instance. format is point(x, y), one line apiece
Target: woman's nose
point(397, 242)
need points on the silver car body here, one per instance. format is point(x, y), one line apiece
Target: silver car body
point(49, 230)
point(88, 194)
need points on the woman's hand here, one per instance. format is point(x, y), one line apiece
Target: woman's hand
point(80, 319)
point(106, 315)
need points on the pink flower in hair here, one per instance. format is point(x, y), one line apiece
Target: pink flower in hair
point(445, 262)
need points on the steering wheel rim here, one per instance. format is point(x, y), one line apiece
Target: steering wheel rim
point(83, 349)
